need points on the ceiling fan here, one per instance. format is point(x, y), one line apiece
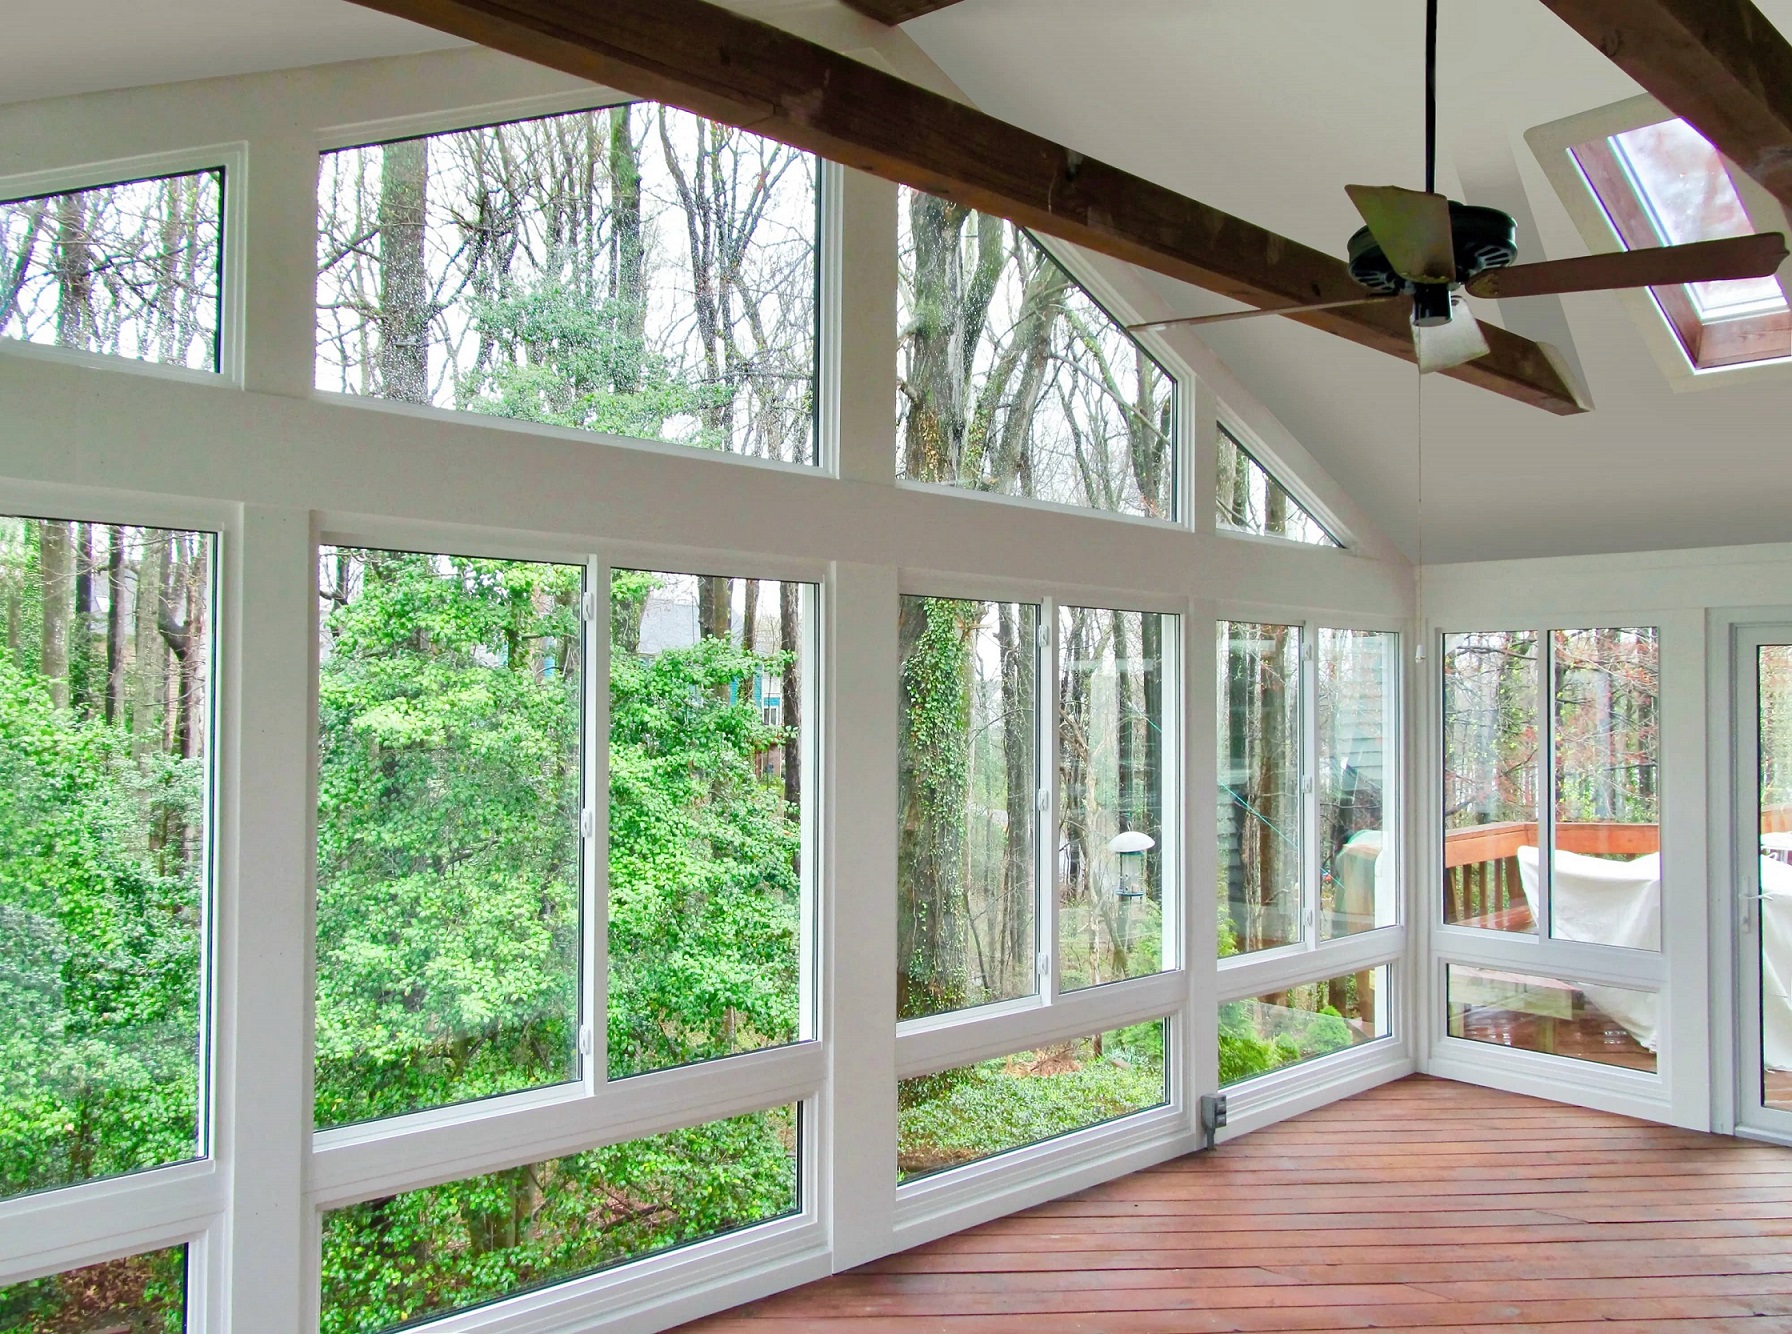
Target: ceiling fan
point(1419, 246)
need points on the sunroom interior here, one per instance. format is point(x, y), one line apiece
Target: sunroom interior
point(624, 693)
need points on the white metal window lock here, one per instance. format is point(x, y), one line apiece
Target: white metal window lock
point(585, 1043)
point(588, 607)
point(588, 823)
point(1043, 800)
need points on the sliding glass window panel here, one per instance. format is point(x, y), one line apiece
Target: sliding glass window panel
point(1113, 784)
point(1260, 787)
point(1492, 685)
point(1013, 379)
point(106, 705)
point(1586, 1022)
point(975, 1112)
point(141, 1294)
point(966, 804)
point(1358, 759)
point(638, 271)
point(448, 849)
point(133, 270)
point(1605, 883)
point(1302, 1023)
point(1253, 501)
point(404, 1259)
point(707, 876)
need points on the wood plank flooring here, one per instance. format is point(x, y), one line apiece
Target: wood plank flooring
point(1422, 1205)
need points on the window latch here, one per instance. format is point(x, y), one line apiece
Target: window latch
point(1043, 800)
point(588, 608)
point(585, 1039)
point(588, 823)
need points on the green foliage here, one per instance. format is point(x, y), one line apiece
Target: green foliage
point(960, 1116)
point(144, 1294)
point(1257, 1037)
point(448, 844)
point(407, 1257)
point(99, 947)
point(705, 895)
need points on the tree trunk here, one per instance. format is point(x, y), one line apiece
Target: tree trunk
point(56, 563)
point(74, 265)
point(114, 623)
point(749, 624)
point(790, 645)
point(404, 276)
point(1019, 709)
point(148, 652)
point(715, 607)
point(627, 270)
point(80, 634)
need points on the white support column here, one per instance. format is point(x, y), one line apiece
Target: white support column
point(1686, 1007)
point(859, 912)
point(1199, 1041)
point(864, 276)
point(279, 302)
point(263, 1034)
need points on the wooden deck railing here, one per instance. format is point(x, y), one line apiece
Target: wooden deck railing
point(1481, 876)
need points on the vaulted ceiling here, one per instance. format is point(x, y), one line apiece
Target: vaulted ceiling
point(1265, 108)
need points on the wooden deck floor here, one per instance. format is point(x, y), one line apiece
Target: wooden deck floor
point(1423, 1205)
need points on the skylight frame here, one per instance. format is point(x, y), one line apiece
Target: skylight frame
point(1708, 341)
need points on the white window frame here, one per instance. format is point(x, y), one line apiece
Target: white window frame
point(1251, 445)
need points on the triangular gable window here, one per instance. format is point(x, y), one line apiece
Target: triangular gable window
point(1252, 501)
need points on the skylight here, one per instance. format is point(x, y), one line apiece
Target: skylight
point(1664, 184)
point(1689, 197)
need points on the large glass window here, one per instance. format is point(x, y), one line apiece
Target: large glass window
point(707, 676)
point(1253, 501)
point(636, 270)
point(449, 785)
point(1602, 739)
point(1604, 1024)
point(1113, 790)
point(105, 833)
point(1013, 380)
point(1492, 685)
point(968, 779)
point(1358, 756)
point(1260, 787)
point(1301, 1023)
point(426, 1253)
point(965, 1115)
point(131, 270)
point(1605, 882)
point(141, 1294)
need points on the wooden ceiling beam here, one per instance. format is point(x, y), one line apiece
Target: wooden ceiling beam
point(1720, 65)
point(893, 12)
point(715, 63)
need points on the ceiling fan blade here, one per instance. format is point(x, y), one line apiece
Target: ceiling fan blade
point(1412, 228)
point(1195, 321)
point(1443, 347)
point(1665, 266)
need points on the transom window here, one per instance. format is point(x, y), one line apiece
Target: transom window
point(636, 270)
point(1664, 184)
point(130, 270)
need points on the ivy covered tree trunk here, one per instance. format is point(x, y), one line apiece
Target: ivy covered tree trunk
point(57, 556)
point(790, 645)
point(1017, 936)
point(404, 277)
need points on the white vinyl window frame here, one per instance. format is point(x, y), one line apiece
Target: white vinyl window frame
point(374, 1159)
point(1248, 443)
point(964, 1037)
point(1310, 959)
point(230, 160)
point(1538, 953)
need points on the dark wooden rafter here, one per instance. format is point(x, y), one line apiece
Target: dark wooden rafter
point(893, 12)
point(708, 60)
point(1720, 65)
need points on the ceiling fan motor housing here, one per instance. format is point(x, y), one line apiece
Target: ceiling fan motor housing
point(1484, 239)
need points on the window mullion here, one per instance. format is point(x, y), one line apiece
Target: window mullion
point(1546, 781)
point(1048, 802)
point(594, 824)
point(1309, 784)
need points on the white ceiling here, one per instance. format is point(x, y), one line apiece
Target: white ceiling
point(1265, 108)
